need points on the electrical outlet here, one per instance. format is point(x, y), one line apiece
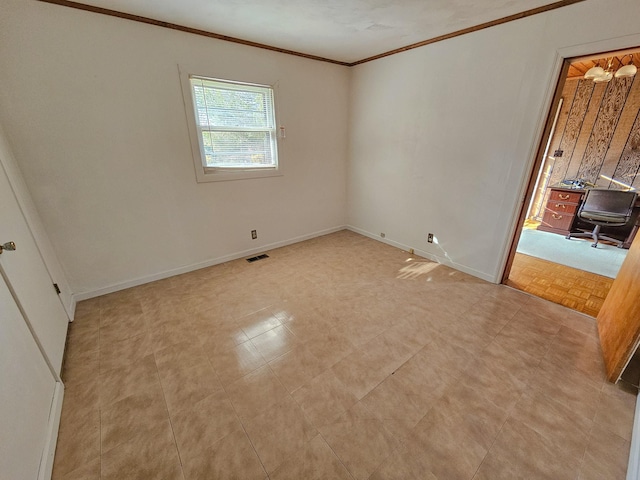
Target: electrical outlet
point(254, 234)
point(430, 238)
point(382, 235)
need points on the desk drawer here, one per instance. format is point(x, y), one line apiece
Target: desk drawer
point(564, 196)
point(557, 220)
point(562, 208)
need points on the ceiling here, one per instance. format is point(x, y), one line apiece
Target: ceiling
point(344, 31)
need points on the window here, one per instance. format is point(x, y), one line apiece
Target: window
point(235, 128)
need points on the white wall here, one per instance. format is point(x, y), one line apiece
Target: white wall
point(442, 137)
point(93, 109)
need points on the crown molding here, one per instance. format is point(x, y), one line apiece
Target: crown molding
point(217, 36)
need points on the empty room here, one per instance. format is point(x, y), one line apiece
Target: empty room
point(267, 240)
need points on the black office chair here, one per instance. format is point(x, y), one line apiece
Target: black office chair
point(605, 208)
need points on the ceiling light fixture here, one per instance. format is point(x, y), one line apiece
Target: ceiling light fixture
point(604, 75)
point(628, 70)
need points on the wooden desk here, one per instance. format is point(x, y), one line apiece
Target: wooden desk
point(560, 216)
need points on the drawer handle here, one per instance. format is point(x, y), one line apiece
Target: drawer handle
point(557, 217)
point(560, 205)
point(564, 197)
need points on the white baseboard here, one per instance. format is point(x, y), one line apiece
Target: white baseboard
point(46, 463)
point(633, 467)
point(70, 307)
point(443, 260)
point(77, 297)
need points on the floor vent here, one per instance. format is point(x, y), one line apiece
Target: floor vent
point(259, 257)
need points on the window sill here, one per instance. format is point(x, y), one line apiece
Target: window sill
point(225, 176)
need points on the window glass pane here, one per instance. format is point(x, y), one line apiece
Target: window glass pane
point(219, 107)
point(236, 123)
point(237, 149)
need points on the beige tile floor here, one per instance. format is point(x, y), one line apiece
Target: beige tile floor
point(336, 358)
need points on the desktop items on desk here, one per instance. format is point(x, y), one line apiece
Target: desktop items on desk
point(576, 183)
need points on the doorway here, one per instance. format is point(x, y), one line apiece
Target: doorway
point(591, 140)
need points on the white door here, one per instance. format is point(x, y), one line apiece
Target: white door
point(29, 277)
point(27, 388)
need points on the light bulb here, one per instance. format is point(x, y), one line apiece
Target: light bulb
point(627, 71)
point(594, 72)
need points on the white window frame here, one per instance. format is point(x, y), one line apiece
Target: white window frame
point(216, 174)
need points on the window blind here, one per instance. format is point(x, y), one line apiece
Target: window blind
point(236, 124)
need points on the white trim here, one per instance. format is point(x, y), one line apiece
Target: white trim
point(433, 257)
point(600, 46)
point(633, 468)
point(542, 114)
point(208, 174)
point(71, 308)
point(562, 53)
point(11, 169)
point(196, 266)
point(48, 453)
point(205, 174)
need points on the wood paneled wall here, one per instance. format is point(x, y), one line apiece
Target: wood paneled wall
point(598, 131)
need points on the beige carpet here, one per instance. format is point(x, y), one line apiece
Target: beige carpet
point(577, 253)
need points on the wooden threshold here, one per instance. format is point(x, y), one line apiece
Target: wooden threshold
point(578, 290)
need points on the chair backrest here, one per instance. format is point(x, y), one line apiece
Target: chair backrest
point(609, 201)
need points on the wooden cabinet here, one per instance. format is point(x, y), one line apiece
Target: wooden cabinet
point(560, 216)
point(619, 317)
point(560, 210)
